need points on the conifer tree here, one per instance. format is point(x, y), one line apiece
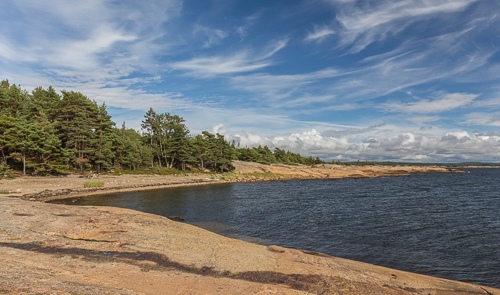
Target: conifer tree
point(76, 121)
point(200, 149)
point(176, 141)
point(128, 148)
point(149, 125)
point(6, 123)
point(46, 101)
point(103, 139)
point(185, 152)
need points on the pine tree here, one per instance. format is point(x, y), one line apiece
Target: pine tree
point(77, 116)
point(49, 146)
point(185, 152)
point(130, 148)
point(103, 139)
point(6, 123)
point(177, 141)
point(200, 149)
point(149, 124)
point(223, 153)
point(46, 101)
point(25, 137)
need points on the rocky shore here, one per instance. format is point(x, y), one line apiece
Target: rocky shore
point(59, 249)
point(70, 186)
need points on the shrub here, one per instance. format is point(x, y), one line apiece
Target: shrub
point(5, 171)
point(93, 183)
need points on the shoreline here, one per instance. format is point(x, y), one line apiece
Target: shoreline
point(46, 189)
point(60, 249)
point(53, 248)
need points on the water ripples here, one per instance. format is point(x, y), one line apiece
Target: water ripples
point(445, 225)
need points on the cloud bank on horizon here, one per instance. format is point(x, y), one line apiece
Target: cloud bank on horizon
point(401, 80)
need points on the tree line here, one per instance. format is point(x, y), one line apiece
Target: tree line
point(44, 132)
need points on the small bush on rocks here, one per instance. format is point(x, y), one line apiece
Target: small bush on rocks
point(93, 183)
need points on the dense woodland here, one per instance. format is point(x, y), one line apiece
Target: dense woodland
point(43, 133)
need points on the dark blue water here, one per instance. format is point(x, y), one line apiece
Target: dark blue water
point(445, 225)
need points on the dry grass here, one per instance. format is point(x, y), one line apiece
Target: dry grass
point(93, 183)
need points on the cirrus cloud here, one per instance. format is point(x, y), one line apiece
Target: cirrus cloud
point(447, 102)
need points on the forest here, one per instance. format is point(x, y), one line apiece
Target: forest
point(46, 133)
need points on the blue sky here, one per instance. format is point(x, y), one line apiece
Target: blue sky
point(407, 80)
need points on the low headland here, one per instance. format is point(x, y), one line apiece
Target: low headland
point(44, 188)
point(59, 249)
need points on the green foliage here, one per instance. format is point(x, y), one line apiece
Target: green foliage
point(2, 191)
point(93, 183)
point(44, 133)
point(152, 171)
point(5, 171)
point(264, 155)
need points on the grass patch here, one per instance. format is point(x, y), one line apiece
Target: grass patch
point(46, 191)
point(93, 183)
point(2, 191)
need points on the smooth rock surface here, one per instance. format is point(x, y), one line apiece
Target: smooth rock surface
point(59, 249)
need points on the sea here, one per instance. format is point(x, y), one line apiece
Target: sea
point(441, 224)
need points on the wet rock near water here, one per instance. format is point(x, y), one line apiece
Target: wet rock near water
point(176, 218)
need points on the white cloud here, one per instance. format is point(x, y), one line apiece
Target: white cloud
point(219, 128)
point(76, 35)
point(306, 100)
point(408, 146)
point(347, 106)
point(240, 62)
point(242, 32)
point(446, 103)
point(352, 131)
point(277, 87)
point(209, 66)
point(459, 135)
point(215, 36)
point(484, 119)
point(84, 55)
point(111, 51)
point(361, 27)
point(341, 1)
point(319, 33)
point(424, 119)
point(413, 63)
point(489, 103)
point(274, 48)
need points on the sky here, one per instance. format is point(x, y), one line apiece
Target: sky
point(376, 80)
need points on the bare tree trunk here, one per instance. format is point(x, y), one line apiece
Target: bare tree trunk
point(4, 158)
point(24, 164)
